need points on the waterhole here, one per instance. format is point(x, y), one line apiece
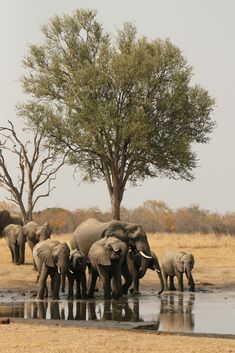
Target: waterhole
point(172, 312)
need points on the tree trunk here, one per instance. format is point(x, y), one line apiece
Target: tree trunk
point(116, 199)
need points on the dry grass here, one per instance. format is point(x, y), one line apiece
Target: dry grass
point(58, 339)
point(215, 263)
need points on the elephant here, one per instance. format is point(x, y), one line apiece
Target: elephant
point(176, 264)
point(16, 240)
point(35, 233)
point(133, 235)
point(6, 218)
point(51, 258)
point(106, 257)
point(77, 272)
point(134, 263)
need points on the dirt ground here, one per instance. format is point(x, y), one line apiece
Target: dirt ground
point(214, 269)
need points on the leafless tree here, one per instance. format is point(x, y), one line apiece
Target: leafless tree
point(36, 165)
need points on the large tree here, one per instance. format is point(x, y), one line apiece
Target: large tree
point(124, 107)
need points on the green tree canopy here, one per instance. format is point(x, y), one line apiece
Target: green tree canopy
point(123, 106)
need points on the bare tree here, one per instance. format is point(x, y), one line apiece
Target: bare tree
point(36, 165)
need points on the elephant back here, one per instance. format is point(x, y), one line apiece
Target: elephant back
point(86, 234)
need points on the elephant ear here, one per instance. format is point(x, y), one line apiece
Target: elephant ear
point(192, 260)
point(180, 262)
point(45, 254)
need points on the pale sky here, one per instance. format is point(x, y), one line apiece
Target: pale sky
point(203, 29)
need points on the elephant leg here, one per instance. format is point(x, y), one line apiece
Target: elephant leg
point(165, 277)
point(16, 254)
point(179, 276)
point(116, 282)
point(106, 280)
point(71, 283)
point(83, 285)
point(172, 286)
point(127, 277)
point(92, 278)
point(78, 288)
point(12, 255)
point(56, 287)
point(31, 245)
point(42, 281)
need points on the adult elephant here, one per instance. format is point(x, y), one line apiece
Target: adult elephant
point(35, 233)
point(15, 240)
point(133, 235)
point(134, 263)
point(6, 218)
point(51, 258)
point(106, 257)
point(176, 264)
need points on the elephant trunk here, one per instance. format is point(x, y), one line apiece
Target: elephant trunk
point(161, 280)
point(63, 279)
point(191, 282)
point(145, 253)
point(22, 252)
point(63, 273)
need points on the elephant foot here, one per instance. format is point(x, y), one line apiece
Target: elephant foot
point(134, 292)
point(69, 297)
point(90, 295)
point(116, 295)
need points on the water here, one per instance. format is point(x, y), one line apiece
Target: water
point(173, 312)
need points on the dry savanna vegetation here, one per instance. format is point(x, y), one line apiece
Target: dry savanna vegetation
point(215, 267)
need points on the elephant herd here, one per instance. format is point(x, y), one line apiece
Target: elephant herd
point(117, 252)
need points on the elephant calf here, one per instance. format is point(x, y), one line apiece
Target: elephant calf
point(176, 264)
point(52, 259)
point(77, 273)
point(134, 264)
point(106, 257)
point(15, 239)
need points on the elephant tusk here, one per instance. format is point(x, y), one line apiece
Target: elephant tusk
point(144, 255)
point(71, 271)
point(58, 270)
point(158, 271)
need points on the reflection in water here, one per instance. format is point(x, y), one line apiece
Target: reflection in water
point(176, 313)
point(120, 310)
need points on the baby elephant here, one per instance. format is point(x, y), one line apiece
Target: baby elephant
point(77, 272)
point(16, 240)
point(175, 264)
point(106, 257)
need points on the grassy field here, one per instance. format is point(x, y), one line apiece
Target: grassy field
point(214, 266)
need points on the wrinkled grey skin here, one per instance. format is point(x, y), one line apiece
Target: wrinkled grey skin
point(134, 263)
point(176, 264)
point(77, 273)
point(35, 233)
point(6, 218)
point(133, 235)
point(106, 257)
point(51, 258)
point(15, 239)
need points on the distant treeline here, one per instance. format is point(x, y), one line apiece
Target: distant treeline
point(155, 216)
